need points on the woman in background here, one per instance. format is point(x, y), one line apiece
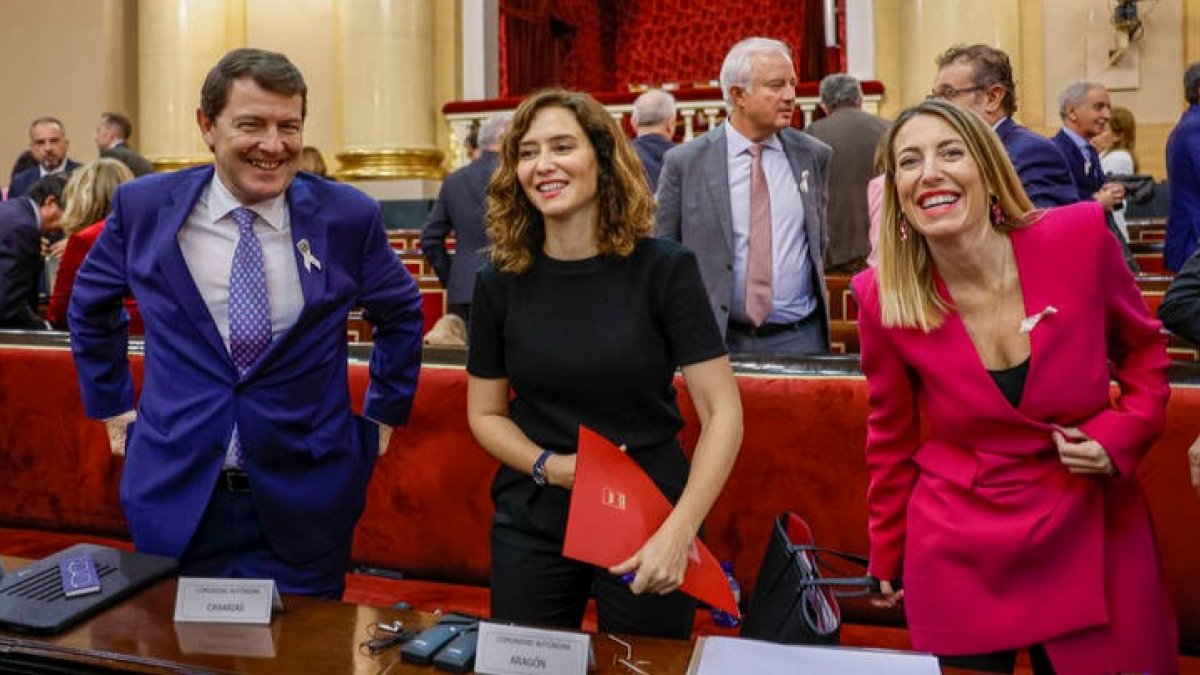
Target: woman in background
point(312, 162)
point(1116, 144)
point(88, 196)
point(1017, 521)
point(585, 317)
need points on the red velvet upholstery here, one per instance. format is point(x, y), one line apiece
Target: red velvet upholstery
point(428, 511)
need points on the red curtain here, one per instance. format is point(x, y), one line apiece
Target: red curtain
point(607, 45)
point(527, 46)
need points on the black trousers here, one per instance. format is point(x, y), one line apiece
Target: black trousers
point(1000, 662)
point(533, 584)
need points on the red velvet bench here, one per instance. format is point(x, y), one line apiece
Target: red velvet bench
point(428, 513)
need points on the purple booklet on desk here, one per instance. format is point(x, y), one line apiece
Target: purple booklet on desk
point(78, 576)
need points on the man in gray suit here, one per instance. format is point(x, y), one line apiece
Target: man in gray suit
point(853, 135)
point(749, 199)
point(112, 140)
point(460, 208)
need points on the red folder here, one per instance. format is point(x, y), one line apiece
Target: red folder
point(615, 508)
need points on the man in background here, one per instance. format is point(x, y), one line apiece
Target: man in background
point(654, 119)
point(48, 144)
point(244, 459)
point(22, 221)
point(1085, 108)
point(460, 208)
point(853, 134)
point(112, 140)
point(748, 198)
point(980, 77)
point(1183, 172)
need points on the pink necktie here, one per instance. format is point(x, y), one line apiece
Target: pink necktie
point(758, 255)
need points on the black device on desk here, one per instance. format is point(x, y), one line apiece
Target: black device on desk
point(421, 649)
point(458, 656)
point(34, 598)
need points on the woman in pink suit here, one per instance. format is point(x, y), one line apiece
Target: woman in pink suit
point(1012, 510)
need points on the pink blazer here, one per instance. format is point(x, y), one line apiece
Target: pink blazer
point(999, 546)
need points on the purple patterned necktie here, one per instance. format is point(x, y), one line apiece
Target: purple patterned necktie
point(249, 308)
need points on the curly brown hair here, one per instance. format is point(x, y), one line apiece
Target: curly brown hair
point(626, 209)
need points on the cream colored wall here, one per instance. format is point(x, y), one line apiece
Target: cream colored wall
point(1157, 99)
point(72, 59)
point(1047, 41)
point(305, 31)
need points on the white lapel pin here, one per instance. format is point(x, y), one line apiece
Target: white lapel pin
point(310, 260)
point(804, 181)
point(1032, 320)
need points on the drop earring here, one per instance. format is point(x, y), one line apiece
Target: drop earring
point(997, 212)
point(903, 228)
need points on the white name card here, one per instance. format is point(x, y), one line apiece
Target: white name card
point(205, 600)
point(516, 650)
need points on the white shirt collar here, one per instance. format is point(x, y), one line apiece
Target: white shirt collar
point(221, 202)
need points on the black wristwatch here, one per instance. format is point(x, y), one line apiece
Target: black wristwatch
point(539, 468)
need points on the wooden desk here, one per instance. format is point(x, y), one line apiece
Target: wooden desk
point(309, 636)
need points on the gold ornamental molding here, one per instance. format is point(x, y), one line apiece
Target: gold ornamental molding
point(390, 164)
point(167, 164)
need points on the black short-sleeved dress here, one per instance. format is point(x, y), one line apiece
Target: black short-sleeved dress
point(593, 342)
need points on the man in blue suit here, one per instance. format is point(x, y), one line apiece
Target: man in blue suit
point(22, 221)
point(1085, 108)
point(980, 77)
point(244, 459)
point(1183, 170)
point(48, 144)
point(460, 208)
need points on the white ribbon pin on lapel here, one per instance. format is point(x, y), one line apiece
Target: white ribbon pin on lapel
point(1032, 320)
point(804, 181)
point(310, 260)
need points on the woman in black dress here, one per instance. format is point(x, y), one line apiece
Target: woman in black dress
point(584, 318)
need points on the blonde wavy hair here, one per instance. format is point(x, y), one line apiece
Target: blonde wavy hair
point(516, 227)
point(89, 193)
point(907, 293)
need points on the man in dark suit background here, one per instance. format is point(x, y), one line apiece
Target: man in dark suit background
point(1183, 171)
point(22, 220)
point(980, 77)
point(460, 208)
point(1085, 108)
point(748, 198)
point(654, 119)
point(245, 459)
point(112, 140)
point(853, 135)
point(49, 144)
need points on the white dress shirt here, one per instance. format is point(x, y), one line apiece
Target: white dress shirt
point(208, 239)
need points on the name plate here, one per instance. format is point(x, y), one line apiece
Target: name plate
point(205, 600)
point(516, 650)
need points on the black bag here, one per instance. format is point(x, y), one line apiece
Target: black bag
point(792, 603)
point(1139, 188)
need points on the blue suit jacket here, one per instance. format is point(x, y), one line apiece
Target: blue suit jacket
point(1183, 171)
point(1040, 165)
point(309, 460)
point(460, 207)
point(650, 149)
point(1087, 174)
point(23, 181)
